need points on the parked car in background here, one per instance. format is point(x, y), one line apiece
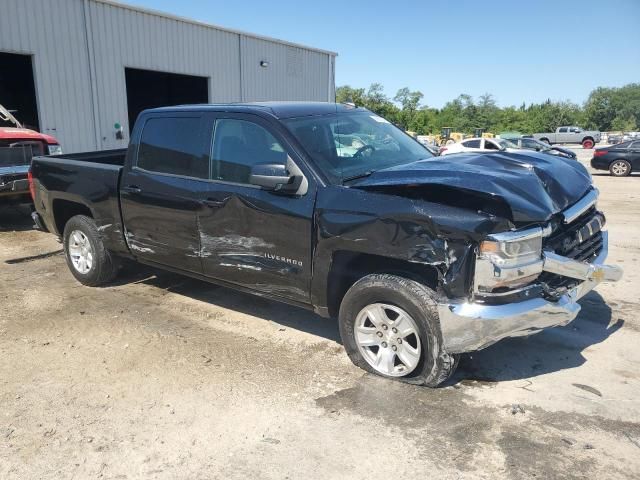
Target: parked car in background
point(532, 144)
point(481, 145)
point(620, 159)
point(570, 134)
point(17, 146)
point(614, 138)
point(420, 258)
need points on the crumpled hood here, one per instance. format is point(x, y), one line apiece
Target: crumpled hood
point(533, 185)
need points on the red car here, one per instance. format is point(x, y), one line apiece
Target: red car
point(17, 146)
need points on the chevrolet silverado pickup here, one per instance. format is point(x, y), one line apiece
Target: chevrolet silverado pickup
point(18, 145)
point(332, 208)
point(570, 134)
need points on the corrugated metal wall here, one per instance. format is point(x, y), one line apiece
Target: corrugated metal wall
point(80, 49)
point(53, 32)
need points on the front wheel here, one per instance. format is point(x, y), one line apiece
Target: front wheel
point(87, 258)
point(620, 168)
point(389, 326)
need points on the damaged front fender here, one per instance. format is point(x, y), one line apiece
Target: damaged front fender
point(398, 228)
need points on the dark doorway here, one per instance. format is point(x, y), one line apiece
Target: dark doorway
point(149, 89)
point(18, 90)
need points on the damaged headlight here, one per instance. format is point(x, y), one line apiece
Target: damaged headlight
point(509, 259)
point(513, 248)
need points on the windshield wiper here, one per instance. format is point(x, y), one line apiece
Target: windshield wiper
point(359, 175)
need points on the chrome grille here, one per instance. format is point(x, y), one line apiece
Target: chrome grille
point(580, 240)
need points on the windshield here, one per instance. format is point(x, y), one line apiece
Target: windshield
point(351, 145)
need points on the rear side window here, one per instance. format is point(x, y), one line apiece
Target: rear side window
point(472, 143)
point(173, 145)
point(563, 130)
point(490, 145)
point(622, 145)
point(634, 145)
point(238, 145)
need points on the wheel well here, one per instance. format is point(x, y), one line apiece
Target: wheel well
point(349, 267)
point(544, 139)
point(63, 210)
point(588, 138)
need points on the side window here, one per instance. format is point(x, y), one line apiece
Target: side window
point(528, 143)
point(635, 145)
point(238, 145)
point(472, 143)
point(173, 145)
point(563, 130)
point(488, 145)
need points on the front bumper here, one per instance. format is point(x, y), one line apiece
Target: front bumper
point(472, 326)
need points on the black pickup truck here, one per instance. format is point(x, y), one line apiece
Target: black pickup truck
point(332, 208)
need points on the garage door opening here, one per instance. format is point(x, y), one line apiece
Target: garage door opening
point(18, 90)
point(149, 89)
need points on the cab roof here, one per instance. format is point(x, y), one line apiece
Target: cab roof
point(279, 110)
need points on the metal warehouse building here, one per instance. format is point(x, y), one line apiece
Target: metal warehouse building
point(76, 68)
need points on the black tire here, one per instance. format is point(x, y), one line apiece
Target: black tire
point(104, 265)
point(419, 301)
point(620, 168)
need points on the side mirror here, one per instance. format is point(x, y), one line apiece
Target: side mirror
point(273, 177)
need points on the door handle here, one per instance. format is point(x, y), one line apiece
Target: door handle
point(215, 203)
point(132, 189)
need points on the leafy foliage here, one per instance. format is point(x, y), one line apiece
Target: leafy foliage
point(606, 109)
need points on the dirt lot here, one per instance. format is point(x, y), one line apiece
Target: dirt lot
point(159, 376)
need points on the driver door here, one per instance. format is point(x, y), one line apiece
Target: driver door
point(252, 237)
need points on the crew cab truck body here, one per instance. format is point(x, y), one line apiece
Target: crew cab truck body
point(332, 208)
point(570, 134)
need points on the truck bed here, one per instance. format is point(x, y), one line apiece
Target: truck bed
point(109, 157)
point(90, 180)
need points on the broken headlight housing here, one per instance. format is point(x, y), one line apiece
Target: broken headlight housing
point(509, 260)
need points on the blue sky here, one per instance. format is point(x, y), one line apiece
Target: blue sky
point(517, 50)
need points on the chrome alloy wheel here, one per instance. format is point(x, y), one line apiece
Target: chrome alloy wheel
point(619, 168)
point(388, 339)
point(80, 252)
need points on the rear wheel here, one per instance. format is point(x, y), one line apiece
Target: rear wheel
point(620, 168)
point(389, 326)
point(587, 143)
point(87, 258)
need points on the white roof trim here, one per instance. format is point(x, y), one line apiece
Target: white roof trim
point(178, 18)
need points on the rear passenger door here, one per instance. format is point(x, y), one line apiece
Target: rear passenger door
point(258, 239)
point(160, 189)
point(563, 135)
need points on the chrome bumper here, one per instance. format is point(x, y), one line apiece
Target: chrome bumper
point(472, 326)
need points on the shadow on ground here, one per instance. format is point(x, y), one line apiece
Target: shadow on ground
point(511, 359)
point(15, 218)
point(548, 351)
point(286, 315)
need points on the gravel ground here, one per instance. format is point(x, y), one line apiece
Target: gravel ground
point(160, 376)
